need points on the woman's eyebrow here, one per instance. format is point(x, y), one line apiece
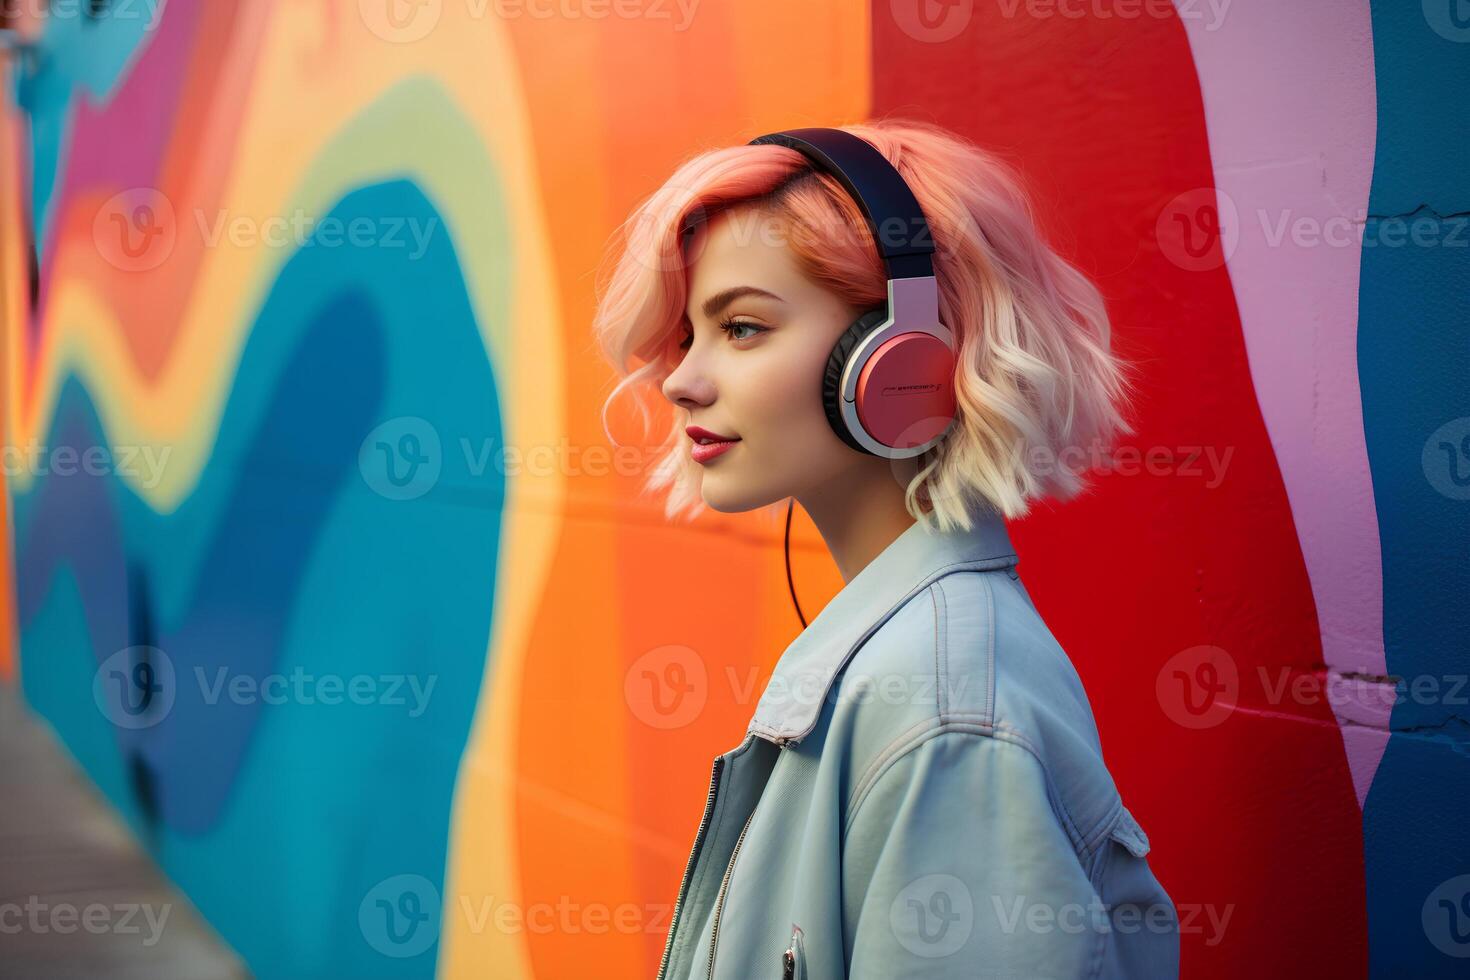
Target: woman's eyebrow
point(725, 297)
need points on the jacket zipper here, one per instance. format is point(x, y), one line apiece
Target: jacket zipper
point(714, 780)
point(714, 932)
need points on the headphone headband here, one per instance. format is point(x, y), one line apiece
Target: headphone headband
point(897, 222)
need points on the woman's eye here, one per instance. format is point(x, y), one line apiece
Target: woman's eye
point(730, 326)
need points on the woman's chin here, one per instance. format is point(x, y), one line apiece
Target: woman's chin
point(724, 505)
point(727, 499)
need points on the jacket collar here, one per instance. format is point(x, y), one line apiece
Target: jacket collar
point(793, 698)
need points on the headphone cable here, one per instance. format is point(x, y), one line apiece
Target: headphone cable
point(790, 503)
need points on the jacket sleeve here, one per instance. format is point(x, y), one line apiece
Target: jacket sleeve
point(956, 866)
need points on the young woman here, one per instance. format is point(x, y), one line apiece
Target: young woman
point(865, 320)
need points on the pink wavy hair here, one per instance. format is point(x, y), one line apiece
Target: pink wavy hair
point(1035, 376)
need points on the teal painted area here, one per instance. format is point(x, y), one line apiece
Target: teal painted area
point(403, 108)
point(403, 586)
point(1414, 361)
point(58, 668)
point(328, 801)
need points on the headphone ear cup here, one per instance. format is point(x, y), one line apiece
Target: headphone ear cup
point(836, 362)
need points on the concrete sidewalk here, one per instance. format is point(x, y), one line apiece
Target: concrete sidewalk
point(78, 897)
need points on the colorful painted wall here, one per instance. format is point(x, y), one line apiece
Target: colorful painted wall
point(324, 569)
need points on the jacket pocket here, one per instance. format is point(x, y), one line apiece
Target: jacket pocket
point(1142, 934)
point(793, 959)
point(1120, 854)
point(1127, 832)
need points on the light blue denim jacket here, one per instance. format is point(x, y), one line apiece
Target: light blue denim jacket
point(921, 793)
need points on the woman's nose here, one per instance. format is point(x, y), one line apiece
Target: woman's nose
point(689, 385)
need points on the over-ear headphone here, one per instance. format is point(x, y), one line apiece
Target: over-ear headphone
point(888, 388)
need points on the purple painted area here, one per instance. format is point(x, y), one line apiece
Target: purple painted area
point(1291, 111)
point(120, 144)
point(76, 526)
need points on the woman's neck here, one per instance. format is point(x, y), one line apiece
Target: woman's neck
point(861, 514)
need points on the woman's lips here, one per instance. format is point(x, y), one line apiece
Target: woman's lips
point(707, 452)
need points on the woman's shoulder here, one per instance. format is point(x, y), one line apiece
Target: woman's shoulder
point(970, 653)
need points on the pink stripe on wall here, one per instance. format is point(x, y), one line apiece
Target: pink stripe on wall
point(1291, 112)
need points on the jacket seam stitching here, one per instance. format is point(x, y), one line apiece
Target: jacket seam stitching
point(1105, 827)
point(982, 725)
point(1100, 830)
point(885, 757)
point(990, 563)
point(894, 752)
point(941, 654)
point(1078, 838)
point(941, 619)
point(941, 629)
point(989, 648)
point(1003, 733)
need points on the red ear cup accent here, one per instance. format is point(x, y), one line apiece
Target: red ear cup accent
point(905, 392)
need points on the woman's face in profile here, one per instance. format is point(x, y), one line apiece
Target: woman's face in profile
point(758, 379)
